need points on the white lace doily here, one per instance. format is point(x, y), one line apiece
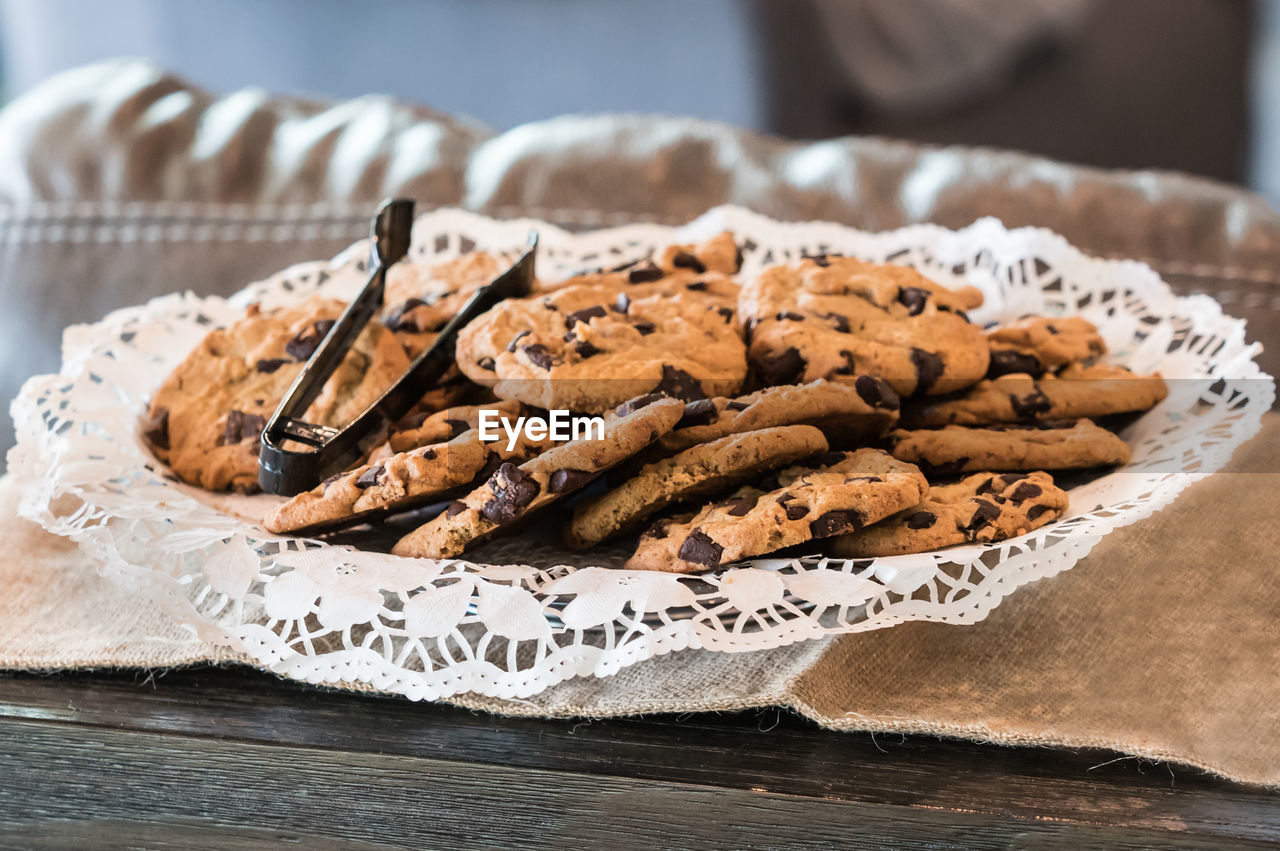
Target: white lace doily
point(529, 617)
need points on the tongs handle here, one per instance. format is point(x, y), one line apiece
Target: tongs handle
point(291, 471)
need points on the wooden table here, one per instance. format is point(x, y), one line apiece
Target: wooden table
point(212, 757)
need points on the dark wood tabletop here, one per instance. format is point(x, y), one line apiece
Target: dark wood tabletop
point(210, 757)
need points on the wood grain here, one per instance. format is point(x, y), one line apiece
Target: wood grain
point(259, 761)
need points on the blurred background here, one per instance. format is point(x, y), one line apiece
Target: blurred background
point(1191, 85)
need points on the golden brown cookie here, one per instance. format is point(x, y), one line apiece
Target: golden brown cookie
point(846, 413)
point(513, 492)
point(1051, 445)
point(590, 347)
point(1095, 391)
point(421, 297)
point(830, 495)
point(403, 480)
point(698, 471)
point(837, 317)
point(1038, 344)
point(984, 507)
point(207, 417)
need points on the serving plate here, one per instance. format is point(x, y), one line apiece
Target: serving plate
point(520, 614)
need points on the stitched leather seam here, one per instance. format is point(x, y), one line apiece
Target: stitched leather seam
point(168, 221)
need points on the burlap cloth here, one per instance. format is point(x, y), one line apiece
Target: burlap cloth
point(1163, 643)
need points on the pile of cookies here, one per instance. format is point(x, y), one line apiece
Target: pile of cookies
point(831, 400)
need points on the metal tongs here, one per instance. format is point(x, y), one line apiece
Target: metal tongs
point(291, 471)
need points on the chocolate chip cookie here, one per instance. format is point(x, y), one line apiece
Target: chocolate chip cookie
point(706, 269)
point(837, 317)
point(1077, 391)
point(982, 507)
point(513, 491)
point(718, 254)
point(846, 413)
point(590, 347)
point(421, 297)
point(402, 481)
point(207, 417)
point(439, 426)
point(1051, 445)
point(1038, 344)
point(699, 471)
point(830, 495)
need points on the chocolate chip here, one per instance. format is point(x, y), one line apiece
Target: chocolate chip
point(397, 320)
point(985, 513)
point(539, 356)
point(795, 512)
point(700, 549)
point(645, 328)
point(679, 384)
point(823, 259)
point(455, 508)
point(696, 286)
point(370, 477)
point(324, 486)
point(921, 520)
point(914, 298)
point(429, 454)
point(623, 303)
point(738, 505)
point(839, 322)
point(156, 428)
point(1030, 406)
point(849, 368)
point(511, 347)
point(737, 406)
point(698, 413)
point(585, 349)
point(685, 260)
point(1051, 328)
point(584, 315)
point(486, 364)
point(563, 481)
point(456, 427)
point(737, 258)
point(876, 392)
point(1008, 362)
point(726, 313)
point(658, 529)
point(928, 366)
point(786, 367)
point(645, 273)
point(304, 345)
point(513, 490)
point(622, 267)
point(241, 426)
point(637, 403)
point(789, 316)
point(1035, 511)
point(270, 365)
point(1025, 491)
point(834, 523)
